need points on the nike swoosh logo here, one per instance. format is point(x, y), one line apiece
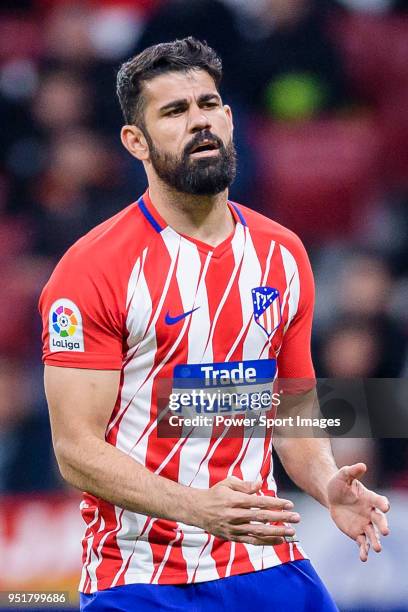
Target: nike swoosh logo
point(172, 320)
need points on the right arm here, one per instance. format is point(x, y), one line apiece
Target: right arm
point(80, 403)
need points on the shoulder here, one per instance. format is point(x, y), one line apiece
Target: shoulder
point(265, 230)
point(116, 239)
point(101, 262)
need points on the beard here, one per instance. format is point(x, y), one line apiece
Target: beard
point(206, 177)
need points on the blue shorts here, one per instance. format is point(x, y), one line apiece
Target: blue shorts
point(290, 587)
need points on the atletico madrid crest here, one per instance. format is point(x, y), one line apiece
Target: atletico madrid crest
point(267, 308)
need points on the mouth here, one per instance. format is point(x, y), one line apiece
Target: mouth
point(206, 148)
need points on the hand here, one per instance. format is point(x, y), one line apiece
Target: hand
point(356, 510)
point(229, 507)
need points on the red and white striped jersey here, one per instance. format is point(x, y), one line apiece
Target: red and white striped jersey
point(136, 296)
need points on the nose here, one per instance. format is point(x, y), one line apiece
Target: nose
point(198, 119)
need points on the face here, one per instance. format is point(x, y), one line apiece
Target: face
point(188, 132)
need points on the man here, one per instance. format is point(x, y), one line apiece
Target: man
point(184, 283)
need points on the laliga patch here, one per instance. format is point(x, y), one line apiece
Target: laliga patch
point(65, 326)
point(267, 308)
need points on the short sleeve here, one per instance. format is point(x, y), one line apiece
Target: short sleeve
point(82, 316)
point(295, 359)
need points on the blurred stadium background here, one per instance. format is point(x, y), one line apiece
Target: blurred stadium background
point(320, 95)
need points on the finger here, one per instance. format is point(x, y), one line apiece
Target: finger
point(263, 516)
point(243, 486)
point(379, 501)
point(268, 540)
point(380, 521)
point(349, 472)
point(263, 531)
point(268, 516)
point(373, 537)
point(265, 502)
point(256, 541)
point(364, 547)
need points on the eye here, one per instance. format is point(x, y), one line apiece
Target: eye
point(211, 104)
point(175, 111)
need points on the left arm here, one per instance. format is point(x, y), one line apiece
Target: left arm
point(309, 462)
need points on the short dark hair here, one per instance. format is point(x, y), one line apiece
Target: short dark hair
point(176, 56)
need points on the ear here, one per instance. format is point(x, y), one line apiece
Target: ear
point(228, 112)
point(134, 141)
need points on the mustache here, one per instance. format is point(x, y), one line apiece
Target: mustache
point(200, 138)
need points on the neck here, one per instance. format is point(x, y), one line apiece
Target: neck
point(205, 218)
